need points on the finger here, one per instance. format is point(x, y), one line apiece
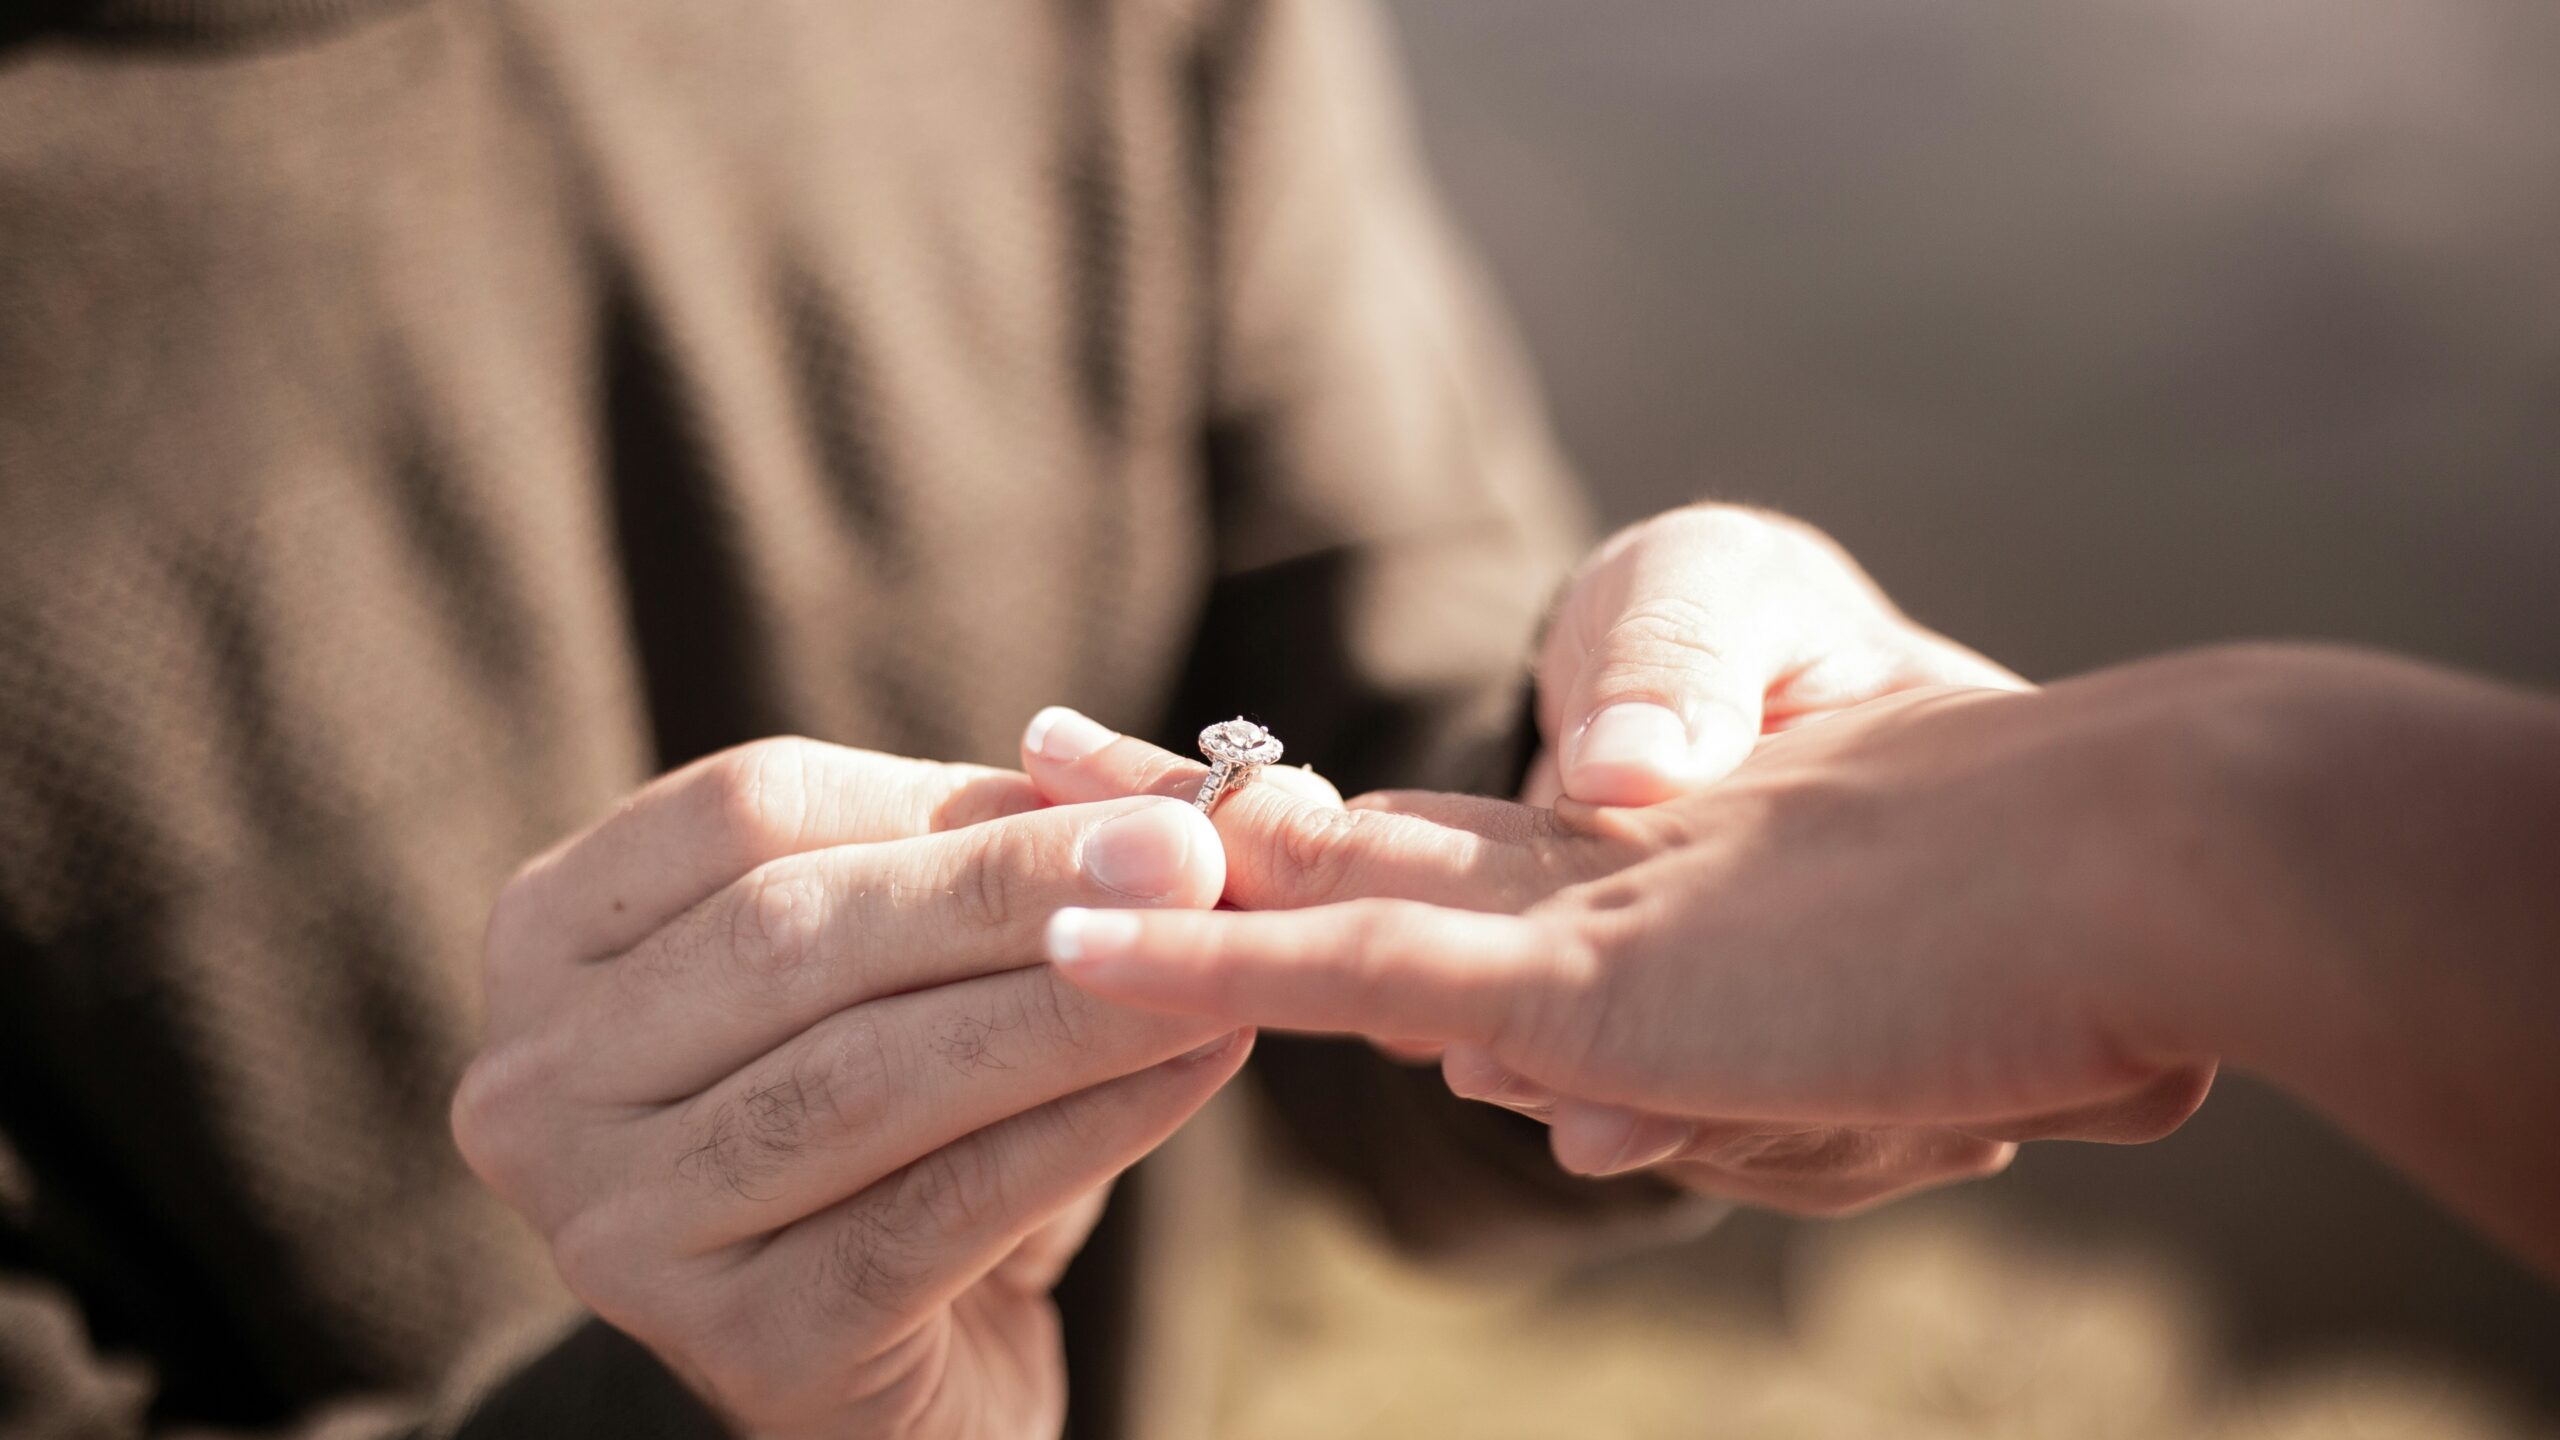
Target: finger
point(1643, 733)
point(1370, 967)
point(870, 1090)
point(1409, 1052)
point(1819, 1170)
point(1472, 1073)
point(808, 935)
point(858, 1277)
point(2151, 1112)
point(1035, 1265)
point(1602, 1140)
point(1653, 677)
point(1841, 1195)
point(689, 832)
point(1072, 757)
point(1291, 844)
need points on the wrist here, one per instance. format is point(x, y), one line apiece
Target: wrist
point(2211, 785)
point(2364, 835)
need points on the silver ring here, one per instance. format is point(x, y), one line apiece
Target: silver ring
point(1235, 749)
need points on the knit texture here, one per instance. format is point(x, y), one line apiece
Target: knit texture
point(421, 422)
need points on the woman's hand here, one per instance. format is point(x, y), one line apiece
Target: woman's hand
point(1882, 951)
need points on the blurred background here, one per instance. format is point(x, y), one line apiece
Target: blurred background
point(2093, 329)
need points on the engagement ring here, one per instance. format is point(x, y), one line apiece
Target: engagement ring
point(1235, 749)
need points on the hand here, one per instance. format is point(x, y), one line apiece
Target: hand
point(1683, 639)
point(1676, 645)
point(772, 1064)
point(1883, 951)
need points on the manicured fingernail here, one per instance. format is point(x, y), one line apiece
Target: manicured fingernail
point(1650, 1140)
point(1638, 737)
point(1081, 938)
point(1145, 854)
point(1064, 735)
point(1210, 1051)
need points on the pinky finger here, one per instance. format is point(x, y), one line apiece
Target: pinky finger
point(848, 1283)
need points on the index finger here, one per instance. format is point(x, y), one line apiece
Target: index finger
point(689, 833)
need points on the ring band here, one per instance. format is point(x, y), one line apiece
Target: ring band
point(1235, 749)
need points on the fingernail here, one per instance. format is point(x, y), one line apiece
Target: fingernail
point(1064, 735)
point(1636, 736)
point(1078, 937)
point(1210, 1051)
point(1650, 1140)
point(1145, 854)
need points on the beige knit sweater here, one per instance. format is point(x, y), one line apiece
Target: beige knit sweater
point(420, 422)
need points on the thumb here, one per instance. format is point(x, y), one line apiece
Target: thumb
point(1655, 708)
point(1652, 678)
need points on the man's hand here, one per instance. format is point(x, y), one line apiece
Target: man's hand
point(772, 1062)
point(1683, 639)
point(1881, 952)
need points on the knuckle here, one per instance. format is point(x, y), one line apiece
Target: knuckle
point(869, 1267)
point(1057, 1015)
point(1319, 847)
point(831, 1090)
point(1562, 1008)
point(880, 1256)
point(1658, 632)
point(1039, 1018)
point(1378, 929)
point(994, 884)
point(845, 1079)
point(1149, 771)
point(761, 794)
point(491, 1114)
point(956, 1190)
point(777, 927)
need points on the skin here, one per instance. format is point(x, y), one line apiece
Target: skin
point(1716, 625)
point(1683, 639)
point(1964, 914)
point(774, 1064)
